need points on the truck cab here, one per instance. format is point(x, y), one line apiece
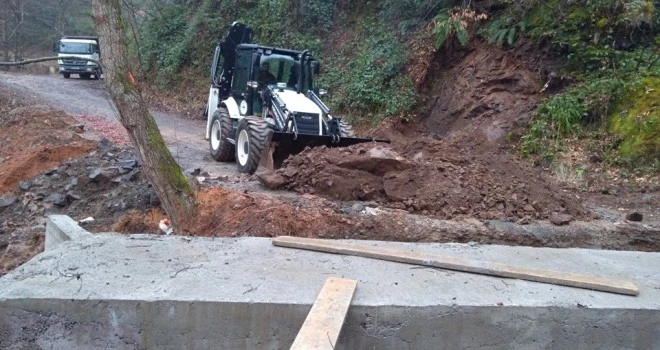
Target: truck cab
point(75, 48)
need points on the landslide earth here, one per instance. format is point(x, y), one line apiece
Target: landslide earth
point(431, 177)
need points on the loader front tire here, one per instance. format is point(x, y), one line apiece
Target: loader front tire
point(221, 149)
point(252, 138)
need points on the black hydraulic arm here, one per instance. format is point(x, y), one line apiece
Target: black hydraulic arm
point(312, 96)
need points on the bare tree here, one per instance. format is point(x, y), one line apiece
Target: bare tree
point(4, 26)
point(159, 166)
point(29, 27)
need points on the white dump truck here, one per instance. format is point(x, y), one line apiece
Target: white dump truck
point(75, 49)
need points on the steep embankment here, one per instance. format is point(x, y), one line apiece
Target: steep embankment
point(483, 92)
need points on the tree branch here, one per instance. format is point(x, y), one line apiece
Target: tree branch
point(44, 59)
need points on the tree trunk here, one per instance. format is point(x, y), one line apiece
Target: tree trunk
point(158, 165)
point(4, 10)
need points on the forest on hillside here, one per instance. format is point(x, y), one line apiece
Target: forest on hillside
point(381, 58)
point(29, 27)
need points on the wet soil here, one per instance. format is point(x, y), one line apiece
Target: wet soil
point(432, 178)
point(481, 92)
point(33, 140)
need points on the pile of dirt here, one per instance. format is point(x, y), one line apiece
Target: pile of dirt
point(226, 212)
point(104, 185)
point(459, 169)
point(35, 139)
point(435, 178)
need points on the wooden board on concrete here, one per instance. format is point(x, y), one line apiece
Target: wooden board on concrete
point(460, 264)
point(324, 321)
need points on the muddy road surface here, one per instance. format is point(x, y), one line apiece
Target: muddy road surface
point(185, 137)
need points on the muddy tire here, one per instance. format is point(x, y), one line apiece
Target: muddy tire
point(345, 129)
point(66, 75)
point(221, 149)
point(252, 138)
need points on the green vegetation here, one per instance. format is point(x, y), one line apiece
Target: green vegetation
point(374, 87)
point(458, 23)
point(184, 34)
point(611, 49)
point(566, 114)
point(29, 28)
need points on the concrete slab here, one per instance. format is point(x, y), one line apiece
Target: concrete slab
point(169, 292)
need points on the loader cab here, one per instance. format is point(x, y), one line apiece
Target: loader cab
point(258, 67)
point(279, 70)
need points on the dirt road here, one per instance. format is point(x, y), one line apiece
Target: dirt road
point(184, 137)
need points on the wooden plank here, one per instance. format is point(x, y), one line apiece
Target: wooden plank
point(461, 264)
point(323, 323)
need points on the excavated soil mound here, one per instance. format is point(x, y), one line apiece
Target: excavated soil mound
point(103, 185)
point(46, 168)
point(486, 91)
point(33, 140)
point(230, 213)
point(430, 177)
point(225, 212)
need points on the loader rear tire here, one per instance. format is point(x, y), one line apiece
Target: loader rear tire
point(221, 149)
point(252, 138)
point(345, 129)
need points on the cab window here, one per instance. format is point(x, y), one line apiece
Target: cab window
point(275, 69)
point(241, 72)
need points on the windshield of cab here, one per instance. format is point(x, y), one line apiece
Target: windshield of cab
point(276, 68)
point(77, 48)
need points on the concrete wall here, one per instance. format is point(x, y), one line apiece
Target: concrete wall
point(190, 325)
point(169, 292)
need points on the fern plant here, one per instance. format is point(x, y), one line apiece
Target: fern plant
point(500, 30)
point(456, 23)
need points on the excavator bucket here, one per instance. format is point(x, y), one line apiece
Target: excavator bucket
point(285, 144)
point(281, 145)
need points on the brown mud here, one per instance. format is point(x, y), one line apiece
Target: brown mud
point(33, 140)
point(433, 178)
